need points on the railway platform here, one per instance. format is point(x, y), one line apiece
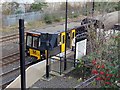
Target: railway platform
point(36, 72)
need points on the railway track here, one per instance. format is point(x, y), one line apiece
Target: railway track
point(9, 38)
point(13, 72)
point(10, 59)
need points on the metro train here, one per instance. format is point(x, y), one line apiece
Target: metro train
point(37, 42)
point(53, 38)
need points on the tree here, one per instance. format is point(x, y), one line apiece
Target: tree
point(9, 7)
point(38, 6)
point(63, 6)
point(107, 6)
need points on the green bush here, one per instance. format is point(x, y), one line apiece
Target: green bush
point(48, 19)
point(75, 15)
point(57, 19)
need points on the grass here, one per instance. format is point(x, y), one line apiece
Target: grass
point(28, 26)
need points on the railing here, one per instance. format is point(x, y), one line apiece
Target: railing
point(87, 82)
point(57, 64)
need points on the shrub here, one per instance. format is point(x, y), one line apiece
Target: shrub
point(75, 15)
point(48, 19)
point(106, 63)
point(56, 19)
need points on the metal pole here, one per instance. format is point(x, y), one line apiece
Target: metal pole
point(65, 63)
point(22, 54)
point(60, 65)
point(86, 9)
point(47, 62)
point(93, 4)
point(75, 52)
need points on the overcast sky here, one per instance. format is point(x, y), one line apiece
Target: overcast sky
point(31, 1)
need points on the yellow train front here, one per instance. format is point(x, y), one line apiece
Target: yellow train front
point(36, 44)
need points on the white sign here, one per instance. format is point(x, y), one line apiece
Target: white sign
point(81, 48)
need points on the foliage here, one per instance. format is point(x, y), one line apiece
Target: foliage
point(63, 6)
point(106, 62)
point(75, 15)
point(107, 6)
point(48, 19)
point(38, 6)
point(9, 7)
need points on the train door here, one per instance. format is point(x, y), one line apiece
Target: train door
point(72, 35)
point(62, 37)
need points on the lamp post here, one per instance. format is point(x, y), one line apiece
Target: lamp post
point(65, 62)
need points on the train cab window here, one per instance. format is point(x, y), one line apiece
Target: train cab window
point(35, 42)
point(29, 40)
point(39, 42)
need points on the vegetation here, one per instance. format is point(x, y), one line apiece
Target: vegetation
point(107, 6)
point(9, 8)
point(48, 19)
point(104, 56)
point(38, 6)
point(63, 6)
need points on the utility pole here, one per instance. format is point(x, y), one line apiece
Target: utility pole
point(22, 54)
point(65, 62)
point(47, 62)
point(86, 9)
point(93, 6)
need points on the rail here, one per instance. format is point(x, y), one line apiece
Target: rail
point(11, 71)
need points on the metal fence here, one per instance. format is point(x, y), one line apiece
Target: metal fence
point(34, 16)
point(29, 17)
point(57, 64)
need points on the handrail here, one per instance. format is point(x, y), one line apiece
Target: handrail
point(87, 81)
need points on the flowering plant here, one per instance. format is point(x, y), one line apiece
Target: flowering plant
point(106, 63)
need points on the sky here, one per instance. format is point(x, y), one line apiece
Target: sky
point(32, 1)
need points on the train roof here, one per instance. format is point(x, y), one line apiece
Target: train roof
point(56, 29)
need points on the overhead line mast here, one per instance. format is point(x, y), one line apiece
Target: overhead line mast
point(65, 62)
point(93, 6)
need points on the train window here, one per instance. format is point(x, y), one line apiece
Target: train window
point(29, 40)
point(35, 42)
point(56, 43)
point(39, 42)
